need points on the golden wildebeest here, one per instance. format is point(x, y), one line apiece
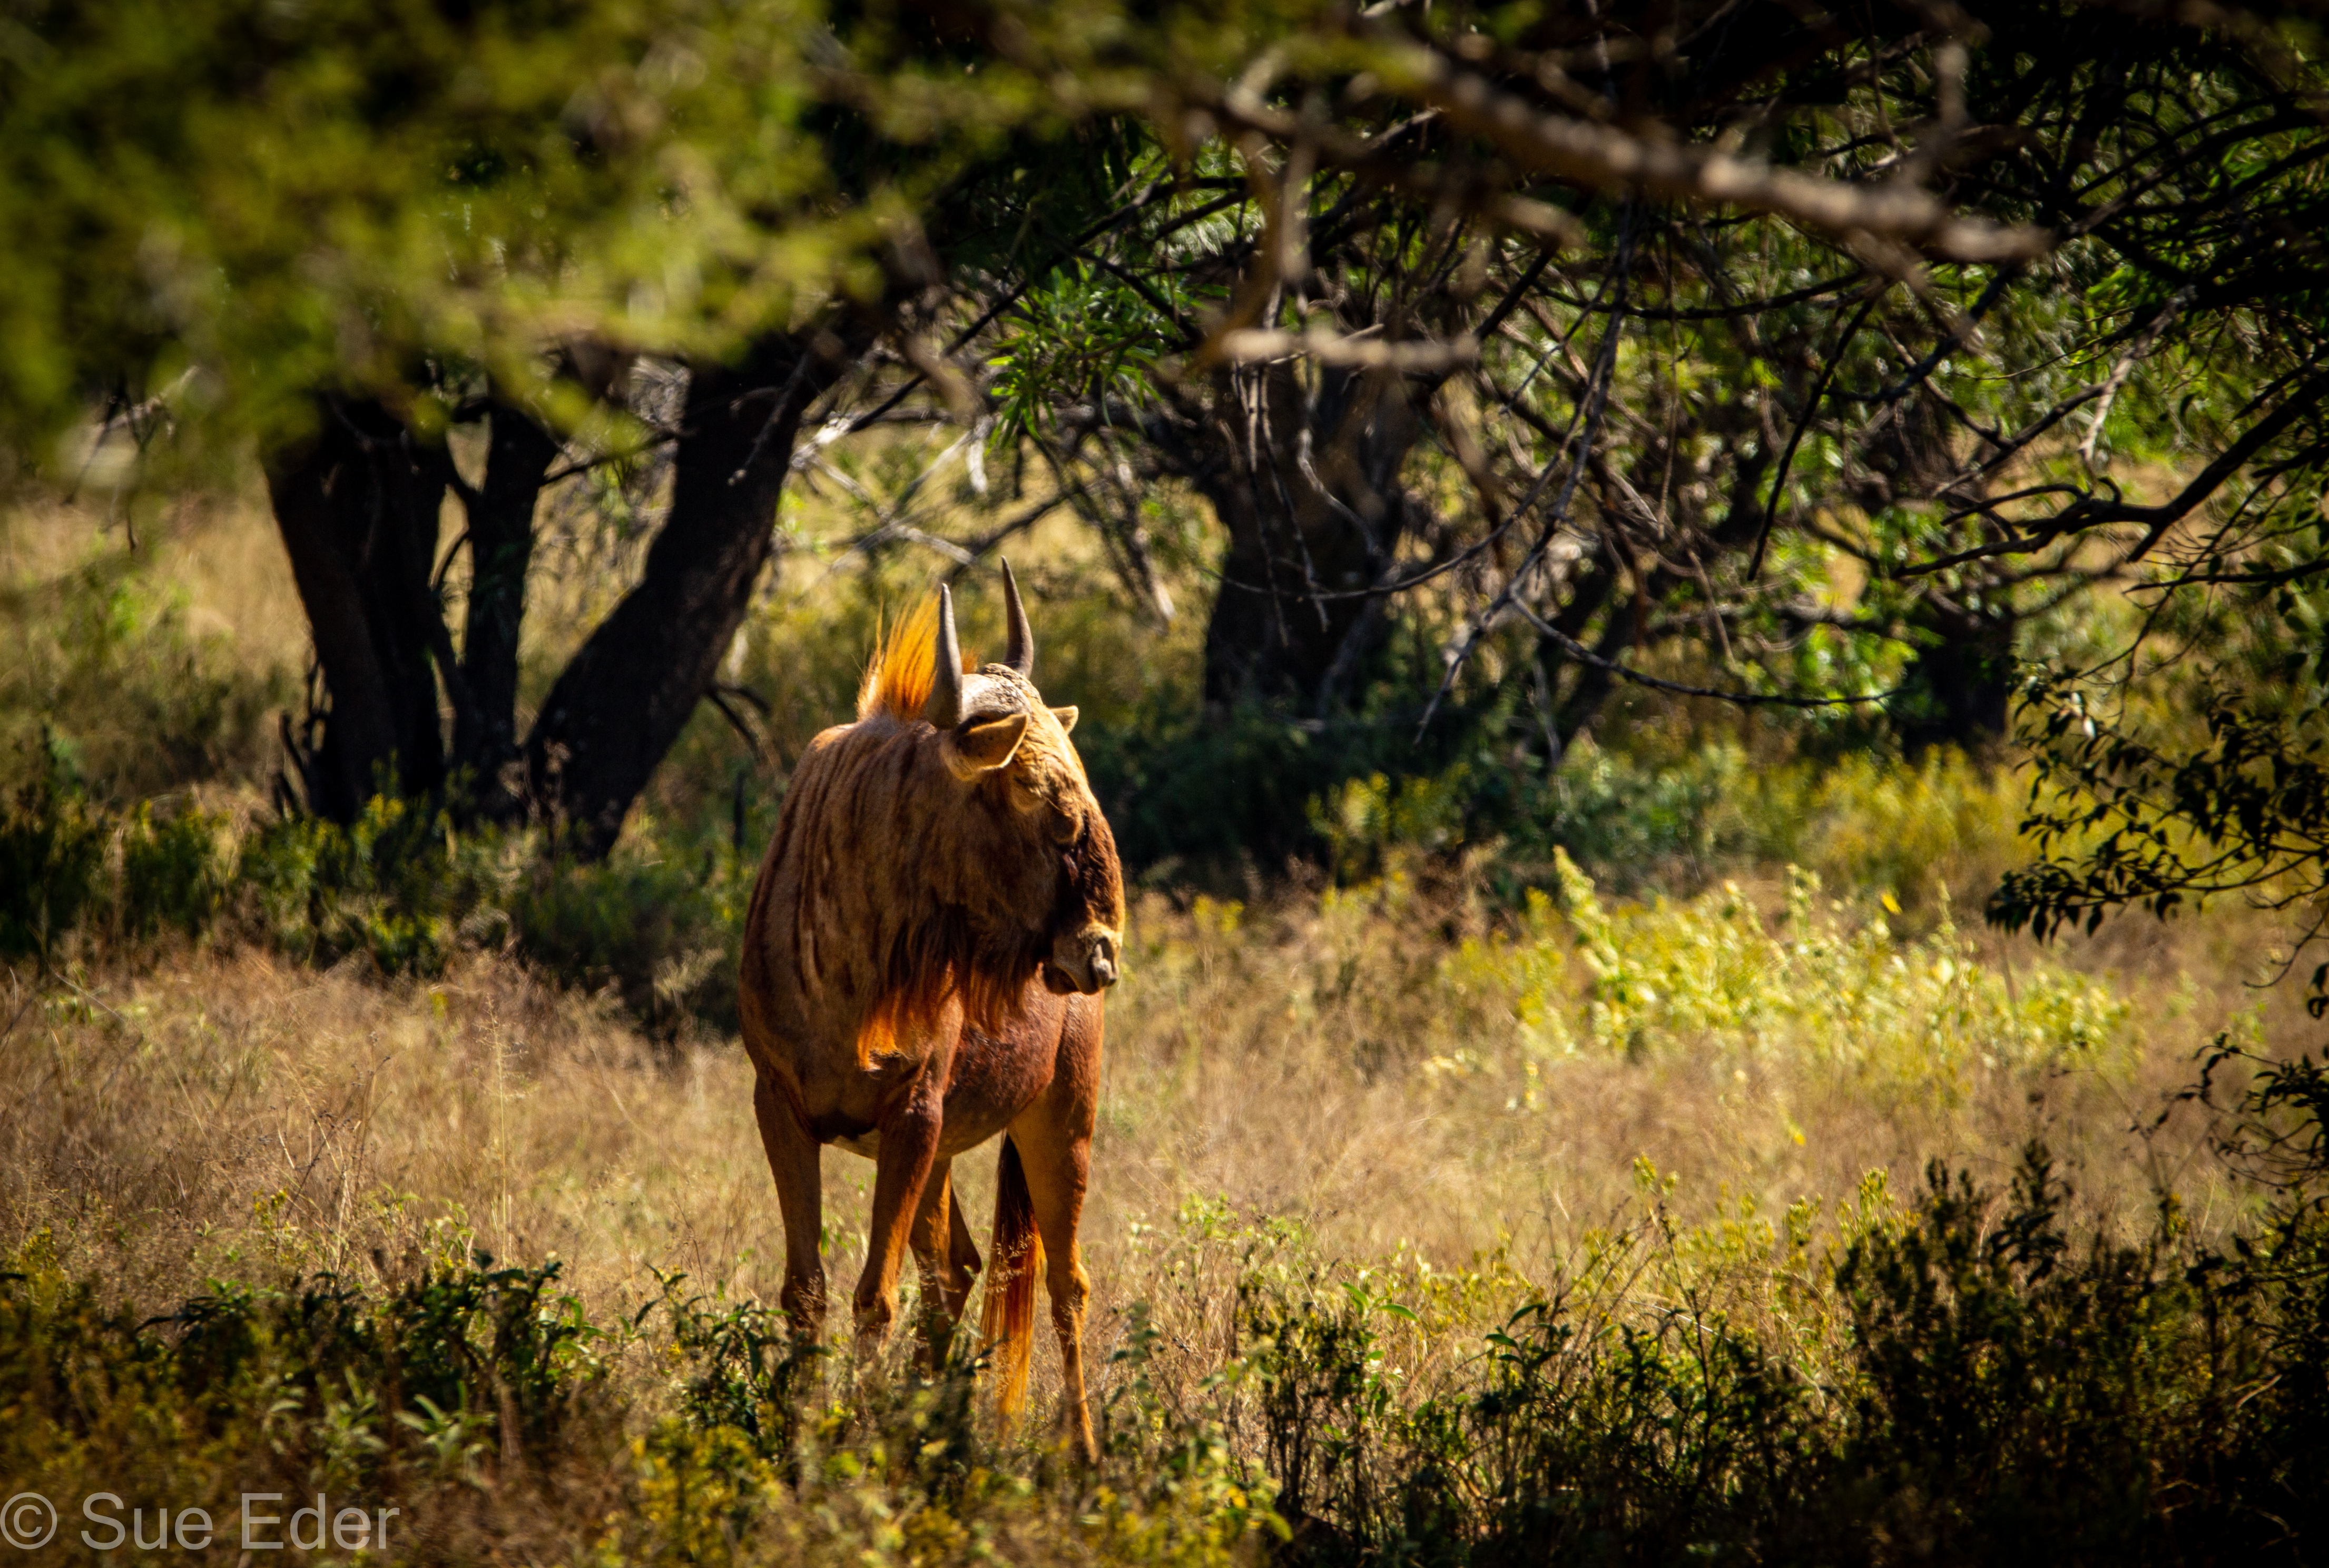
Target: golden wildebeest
point(923, 963)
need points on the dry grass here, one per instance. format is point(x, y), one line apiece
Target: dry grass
point(1316, 1059)
point(1328, 1062)
point(218, 552)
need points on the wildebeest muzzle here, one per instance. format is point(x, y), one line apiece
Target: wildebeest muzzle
point(1083, 961)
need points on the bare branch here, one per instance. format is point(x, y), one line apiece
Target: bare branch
point(1608, 159)
point(1251, 346)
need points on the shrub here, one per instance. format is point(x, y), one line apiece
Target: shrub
point(1927, 833)
point(52, 860)
point(660, 922)
point(663, 923)
point(1998, 1388)
point(499, 1421)
point(175, 870)
point(2017, 1385)
point(108, 660)
point(467, 1373)
point(399, 885)
point(1712, 977)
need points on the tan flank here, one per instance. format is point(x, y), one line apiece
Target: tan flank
point(923, 962)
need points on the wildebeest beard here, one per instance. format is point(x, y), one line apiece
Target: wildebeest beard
point(1091, 882)
point(945, 953)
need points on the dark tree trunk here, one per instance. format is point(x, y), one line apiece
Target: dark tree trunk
point(1958, 689)
point(500, 548)
point(1308, 488)
point(1597, 586)
point(622, 702)
point(1589, 692)
point(357, 503)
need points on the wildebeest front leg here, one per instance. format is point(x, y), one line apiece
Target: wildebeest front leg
point(793, 1160)
point(949, 1260)
point(909, 1146)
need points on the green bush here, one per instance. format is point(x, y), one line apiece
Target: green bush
point(66, 864)
point(400, 884)
point(1940, 829)
point(108, 662)
point(1999, 1388)
point(2018, 1388)
point(310, 1385)
point(1713, 978)
point(175, 871)
point(500, 1423)
point(662, 924)
point(52, 865)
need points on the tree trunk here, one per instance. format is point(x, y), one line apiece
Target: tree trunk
point(622, 702)
point(1588, 693)
point(1308, 489)
point(500, 548)
point(1958, 689)
point(1597, 590)
point(356, 504)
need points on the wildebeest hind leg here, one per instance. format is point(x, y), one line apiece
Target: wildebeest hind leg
point(800, 1198)
point(962, 1256)
point(1056, 1152)
point(946, 1275)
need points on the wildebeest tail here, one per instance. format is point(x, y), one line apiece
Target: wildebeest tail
point(1006, 1320)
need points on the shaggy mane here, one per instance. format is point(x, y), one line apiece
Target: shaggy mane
point(904, 667)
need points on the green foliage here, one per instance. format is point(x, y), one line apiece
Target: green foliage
point(2124, 818)
point(1920, 833)
point(399, 885)
point(1995, 1387)
point(746, 1367)
point(1213, 788)
point(1200, 787)
point(2016, 1386)
point(1082, 336)
point(115, 683)
point(294, 198)
point(66, 863)
point(52, 852)
point(175, 871)
point(308, 1385)
point(1917, 1018)
point(475, 1398)
point(661, 920)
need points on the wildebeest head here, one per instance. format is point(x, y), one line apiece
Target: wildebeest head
point(1053, 853)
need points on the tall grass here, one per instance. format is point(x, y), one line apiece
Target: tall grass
point(1640, 1162)
point(1685, 1291)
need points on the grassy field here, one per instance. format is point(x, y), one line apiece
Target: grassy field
point(1429, 1223)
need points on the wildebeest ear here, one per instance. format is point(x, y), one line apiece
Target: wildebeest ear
point(984, 747)
point(1066, 715)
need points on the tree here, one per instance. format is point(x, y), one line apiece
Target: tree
point(1715, 348)
point(344, 232)
point(620, 703)
point(1674, 308)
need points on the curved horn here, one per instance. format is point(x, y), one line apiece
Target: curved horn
point(1019, 651)
point(944, 705)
